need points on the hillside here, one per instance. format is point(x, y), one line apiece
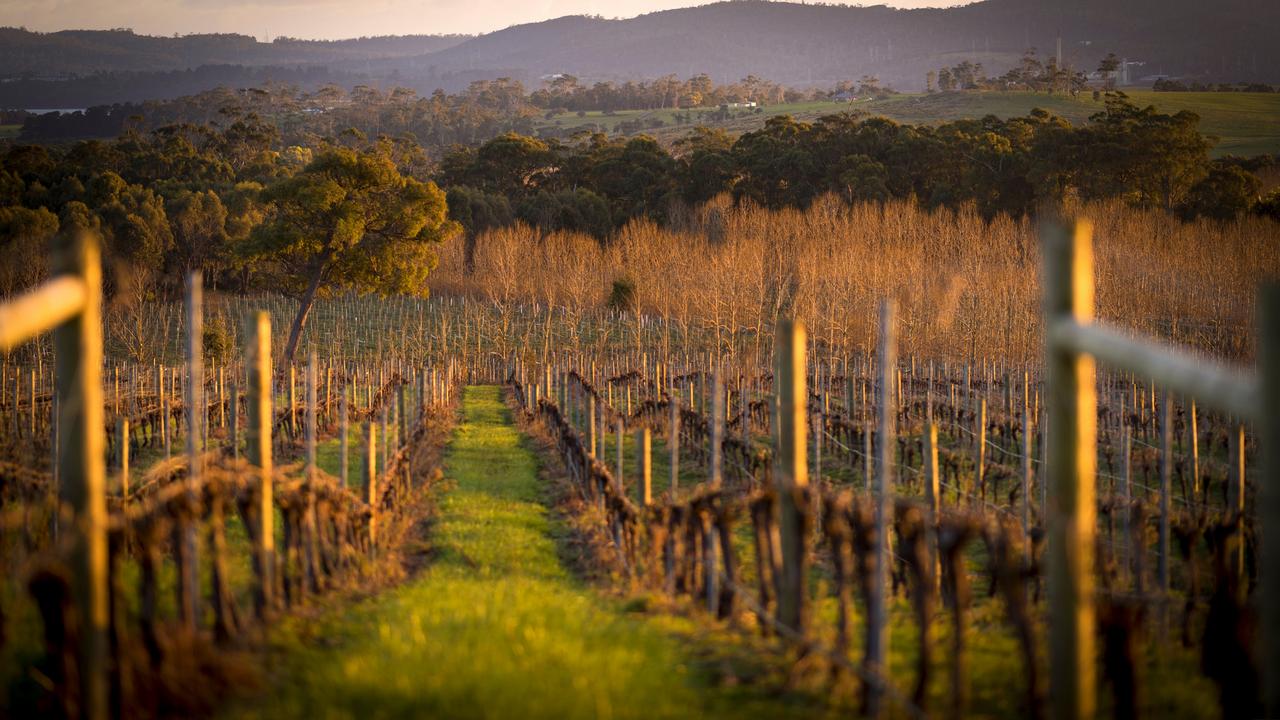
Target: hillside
point(819, 44)
point(793, 44)
point(81, 52)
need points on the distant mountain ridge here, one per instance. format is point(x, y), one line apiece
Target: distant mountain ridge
point(799, 44)
point(82, 52)
point(794, 44)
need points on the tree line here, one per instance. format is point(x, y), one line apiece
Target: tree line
point(597, 184)
point(234, 199)
point(487, 107)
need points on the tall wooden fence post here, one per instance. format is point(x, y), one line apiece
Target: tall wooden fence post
point(673, 441)
point(343, 432)
point(370, 471)
point(877, 656)
point(258, 453)
point(1164, 414)
point(1072, 465)
point(644, 469)
point(717, 426)
point(189, 582)
point(620, 449)
point(122, 433)
point(82, 464)
point(793, 476)
point(932, 498)
point(1269, 492)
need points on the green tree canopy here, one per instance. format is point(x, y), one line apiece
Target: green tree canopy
point(349, 221)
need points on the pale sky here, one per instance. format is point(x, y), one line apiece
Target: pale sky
point(325, 18)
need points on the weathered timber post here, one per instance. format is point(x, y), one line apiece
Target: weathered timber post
point(644, 470)
point(402, 418)
point(163, 399)
point(258, 453)
point(592, 438)
point(1072, 466)
point(932, 498)
point(673, 441)
point(1269, 491)
point(1193, 438)
point(1164, 415)
point(619, 449)
point(717, 427)
point(71, 304)
point(370, 472)
point(1126, 497)
point(343, 432)
point(293, 401)
point(234, 428)
point(311, 558)
point(980, 438)
point(122, 457)
point(384, 420)
point(1235, 498)
point(189, 582)
point(1028, 471)
point(793, 472)
point(81, 466)
point(877, 653)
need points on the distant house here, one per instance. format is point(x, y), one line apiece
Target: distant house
point(844, 96)
point(739, 105)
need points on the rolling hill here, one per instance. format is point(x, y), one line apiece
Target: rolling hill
point(795, 44)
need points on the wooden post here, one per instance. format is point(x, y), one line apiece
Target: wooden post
point(1235, 498)
point(621, 431)
point(1268, 484)
point(980, 437)
point(644, 471)
point(1028, 471)
point(311, 559)
point(370, 472)
point(1126, 495)
point(258, 453)
point(877, 655)
point(164, 410)
point(402, 417)
point(189, 582)
point(293, 401)
point(793, 472)
point(343, 432)
point(1193, 438)
point(1164, 415)
point(1072, 466)
point(932, 498)
point(717, 426)
point(81, 463)
point(383, 419)
point(233, 428)
point(673, 442)
point(592, 439)
point(122, 434)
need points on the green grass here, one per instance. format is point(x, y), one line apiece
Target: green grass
point(9, 131)
point(496, 626)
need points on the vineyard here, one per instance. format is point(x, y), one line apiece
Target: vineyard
point(896, 524)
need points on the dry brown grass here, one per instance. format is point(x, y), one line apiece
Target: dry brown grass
point(966, 287)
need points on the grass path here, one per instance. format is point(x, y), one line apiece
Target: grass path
point(496, 626)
